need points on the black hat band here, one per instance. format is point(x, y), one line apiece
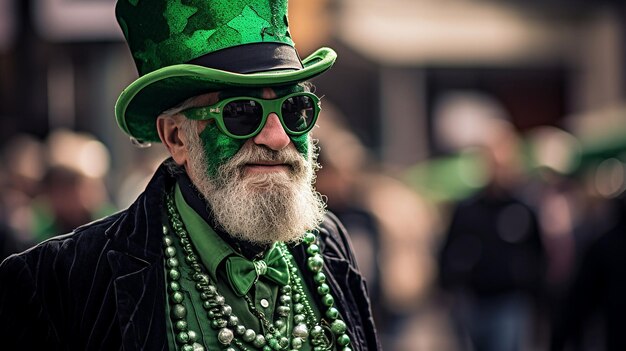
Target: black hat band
point(251, 58)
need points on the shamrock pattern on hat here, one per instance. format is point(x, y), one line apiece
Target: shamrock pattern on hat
point(163, 33)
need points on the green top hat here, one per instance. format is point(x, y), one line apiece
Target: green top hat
point(184, 48)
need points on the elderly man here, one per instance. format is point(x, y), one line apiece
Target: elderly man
point(229, 247)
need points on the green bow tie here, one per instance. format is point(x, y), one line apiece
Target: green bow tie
point(243, 273)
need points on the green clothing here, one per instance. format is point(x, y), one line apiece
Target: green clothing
point(213, 251)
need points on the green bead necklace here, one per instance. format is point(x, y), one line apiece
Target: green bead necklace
point(293, 308)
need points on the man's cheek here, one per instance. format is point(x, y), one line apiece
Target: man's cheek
point(219, 147)
point(301, 143)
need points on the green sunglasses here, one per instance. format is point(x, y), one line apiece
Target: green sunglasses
point(244, 117)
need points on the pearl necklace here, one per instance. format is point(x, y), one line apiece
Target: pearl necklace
point(231, 332)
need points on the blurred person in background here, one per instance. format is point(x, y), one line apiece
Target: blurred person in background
point(19, 184)
point(68, 199)
point(492, 258)
point(556, 199)
point(407, 269)
point(61, 207)
point(10, 242)
point(72, 191)
point(343, 201)
point(230, 246)
point(53, 187)
point(593, 312)
point(21, 171)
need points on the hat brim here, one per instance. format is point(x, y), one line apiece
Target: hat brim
point(143, 100)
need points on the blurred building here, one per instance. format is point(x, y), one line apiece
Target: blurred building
point(63, 64)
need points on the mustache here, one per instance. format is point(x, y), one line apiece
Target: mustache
point(259, 153)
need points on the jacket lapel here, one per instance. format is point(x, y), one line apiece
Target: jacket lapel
point(136, 261)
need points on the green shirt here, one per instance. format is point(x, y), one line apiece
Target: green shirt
point(213, 251)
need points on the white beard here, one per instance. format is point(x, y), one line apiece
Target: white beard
point(259, 208)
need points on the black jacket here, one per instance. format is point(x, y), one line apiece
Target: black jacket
point(493, 247)
point(102, 287)
point(596, 299)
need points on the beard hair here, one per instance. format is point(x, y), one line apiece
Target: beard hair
point(259, 208)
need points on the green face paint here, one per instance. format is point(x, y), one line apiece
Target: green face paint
point(301, 142)
point(220, 148)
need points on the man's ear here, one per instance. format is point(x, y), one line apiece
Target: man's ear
point(173, 138)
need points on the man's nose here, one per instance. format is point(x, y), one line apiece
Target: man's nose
point(273, 134)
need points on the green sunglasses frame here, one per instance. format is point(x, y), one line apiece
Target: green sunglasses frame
point(268, 106)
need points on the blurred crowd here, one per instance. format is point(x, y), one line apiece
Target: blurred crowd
point(524, 250)
point(528, 257)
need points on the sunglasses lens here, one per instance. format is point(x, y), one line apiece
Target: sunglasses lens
point(242, 117)
point(298, 113)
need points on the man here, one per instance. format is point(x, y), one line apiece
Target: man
point(492, 257)
point(229, 247)
point(593, 312)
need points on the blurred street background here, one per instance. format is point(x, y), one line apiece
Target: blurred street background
point(474, 149)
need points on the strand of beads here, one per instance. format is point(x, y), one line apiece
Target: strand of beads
point(184, 336)
point(338, 327)
point(304, 318)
